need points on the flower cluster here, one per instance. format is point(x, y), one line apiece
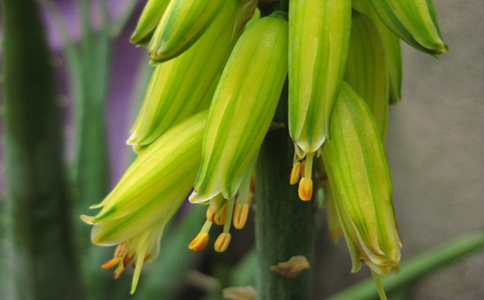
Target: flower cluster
point(220, 71)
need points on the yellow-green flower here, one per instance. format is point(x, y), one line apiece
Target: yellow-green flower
point(414, 21)
point(148, 21)
point(361, 185)
point(182, 24)
point(392, 49)
point(319, 33)
point(241, 112)
point(185, 85)
point(135, 213)
point(367, 70)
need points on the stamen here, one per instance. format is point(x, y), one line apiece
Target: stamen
point(306, 183)
point(222, 242)
point(126, 260)
point(111, 263)
point(217, 203)
point(230, 211)
point(295, 173)
point(210, 214)
point(199, 242)
point(121, 250)
point(221, 215)
point(308, 166)
point(305, 189)
point(119, 270)
point(241, 214)
point(252, 185)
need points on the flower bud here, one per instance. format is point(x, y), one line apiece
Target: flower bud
point(148, 21)
point(366, 69)
point(414, 21)
point(392, 49)
point(185, 85)
point(319, 33)
point(135, 213)
point(182, 24)
point(242, 108)
point(361, 185)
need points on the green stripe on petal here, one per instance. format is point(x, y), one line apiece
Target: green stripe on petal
point(319, 34)
point(182, 24)
point(185, 85)
point(366, 69)
point(360, 181)
point(150, 17)
point(155, 184)
point(243, 107)
point(414, 21)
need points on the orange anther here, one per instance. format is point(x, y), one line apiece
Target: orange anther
point(295, 173)
point(111, 263)
point(199, 242)
point(119, 270)
point(221, 216)
point(305, 189)
point(126, 260)
point(210, 214)
point(241, 213)
point(222, 242)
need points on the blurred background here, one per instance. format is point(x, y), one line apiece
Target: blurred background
point(435, 148)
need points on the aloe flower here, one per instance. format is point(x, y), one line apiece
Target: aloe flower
point(361, 184)
point(319, 33)
point(240, 115)
point(134, 215)
point(185, 85)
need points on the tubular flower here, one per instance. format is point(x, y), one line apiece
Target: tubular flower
point(319, 33)
point(182, 24)
point(366, 70)
point(414, 21)
point(361, 185)
point(135, 213)
point(220, 72)
point(240, 114)
point(391, 46)
point(148, 21)
point(186, 84)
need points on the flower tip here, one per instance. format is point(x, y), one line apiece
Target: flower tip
point(87, 219)
point(199, 242)
point(222, 242)
point(131, 140)
point(193, 197)
point(305, 189)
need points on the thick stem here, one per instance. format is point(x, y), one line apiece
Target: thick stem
point(38, 206)
point(284, 224)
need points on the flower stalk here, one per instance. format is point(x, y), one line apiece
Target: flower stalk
point(284, 224)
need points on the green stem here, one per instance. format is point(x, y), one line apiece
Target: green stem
point(284, 224)
point(38, 206)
